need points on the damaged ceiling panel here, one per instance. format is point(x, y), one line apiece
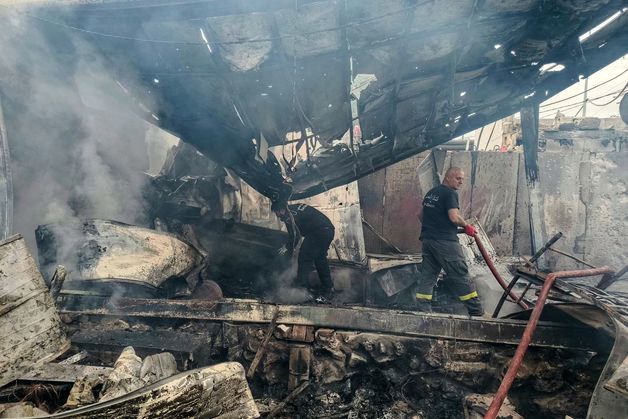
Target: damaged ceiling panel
point(233, 77)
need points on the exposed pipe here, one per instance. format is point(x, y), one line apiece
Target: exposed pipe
point(515, 278)
point(517, 359)
point(496, 274)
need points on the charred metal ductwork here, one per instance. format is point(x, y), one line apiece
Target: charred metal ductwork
point(233, 78)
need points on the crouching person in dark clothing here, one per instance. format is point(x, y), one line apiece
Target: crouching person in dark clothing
point(317, 232)
point(440, 218)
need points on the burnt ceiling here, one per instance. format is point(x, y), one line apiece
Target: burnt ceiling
point(231, 77)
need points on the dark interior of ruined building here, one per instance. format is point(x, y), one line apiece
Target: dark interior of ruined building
point(143, 142)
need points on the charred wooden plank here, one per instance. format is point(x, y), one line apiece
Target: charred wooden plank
point(106, 344)
point(30, 329)
point(63, 373)
point(219, 391)
point(288, 399)
point(262, 348)
point(441, 326)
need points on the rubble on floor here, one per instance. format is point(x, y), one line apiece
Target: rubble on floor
point(243, 358)
point(149, 388)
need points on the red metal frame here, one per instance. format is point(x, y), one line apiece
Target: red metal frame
point(517, 359)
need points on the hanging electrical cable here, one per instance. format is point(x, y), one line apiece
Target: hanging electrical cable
point(587, 90)
point(610, 101)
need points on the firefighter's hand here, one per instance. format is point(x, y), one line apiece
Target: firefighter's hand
point(282, 251)
point(470, 230)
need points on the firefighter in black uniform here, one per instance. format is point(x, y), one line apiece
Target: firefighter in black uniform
point(317, 232)
point(440, 218)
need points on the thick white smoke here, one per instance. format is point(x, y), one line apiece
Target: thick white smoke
point(71, 158)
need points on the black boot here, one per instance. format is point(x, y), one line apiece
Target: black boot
point(424, 306)
point(474, 307)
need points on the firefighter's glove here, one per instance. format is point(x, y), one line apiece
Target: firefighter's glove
point(470, 230)
point(282, 251)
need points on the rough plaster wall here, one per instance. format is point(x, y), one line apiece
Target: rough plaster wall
point(390, 201)
point(563, 209)
point(403, 197)
point(494, 197)
point(586, 199)
point(522, 242)
point(607, 227)
point(372, 201)
point(569, 180)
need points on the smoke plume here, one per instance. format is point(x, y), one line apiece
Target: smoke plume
point(72, 156)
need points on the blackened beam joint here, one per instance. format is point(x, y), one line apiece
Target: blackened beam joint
point(412, 324)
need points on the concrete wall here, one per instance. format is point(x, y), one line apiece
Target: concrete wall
point(585, 196)
point(390, 201)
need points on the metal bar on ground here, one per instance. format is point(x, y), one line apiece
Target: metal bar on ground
point(608, 280)
point(570, 256)
point(496, 274)
point(431, 325)
point(288, 399)
point(515, 278)
point(525, 290)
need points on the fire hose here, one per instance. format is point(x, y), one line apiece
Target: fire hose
point(517, 359)
point(496, 274)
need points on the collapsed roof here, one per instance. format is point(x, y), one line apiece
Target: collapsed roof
point(234, 77)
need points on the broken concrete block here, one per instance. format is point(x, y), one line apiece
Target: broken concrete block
point(125, 376)
point(588, 123)
point(21, 410)
point(82, 392)
point(356, 360)
point(220, 391)
point(158, 367)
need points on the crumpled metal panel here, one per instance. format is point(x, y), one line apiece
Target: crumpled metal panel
point(309, 30)
point(100, 250)
point(228, 30)
point(209, 104)
point(382, 20)
point(507, 6)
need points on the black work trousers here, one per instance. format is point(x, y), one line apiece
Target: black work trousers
point(314, 252)
point(446, 255)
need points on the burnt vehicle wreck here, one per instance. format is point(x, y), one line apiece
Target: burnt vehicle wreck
point(159, 292)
